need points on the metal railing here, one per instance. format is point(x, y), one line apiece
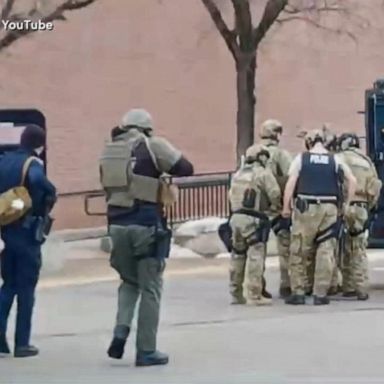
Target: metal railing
point(200, 196)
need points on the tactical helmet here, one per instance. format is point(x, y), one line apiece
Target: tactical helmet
point(314, 136)
point(255, 153)
point(138, 118)
point(348, 140)
point(330, 141)
point(270, 129)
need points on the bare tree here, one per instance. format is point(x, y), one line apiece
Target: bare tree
point(244, 39)
point(44, 10)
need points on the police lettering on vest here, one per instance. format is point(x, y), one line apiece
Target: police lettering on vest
point(318, 176)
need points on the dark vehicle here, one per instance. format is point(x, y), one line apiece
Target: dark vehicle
point(374, 130)
point(12, 124)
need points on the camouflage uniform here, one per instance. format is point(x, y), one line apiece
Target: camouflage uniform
point(313, 175)
point(355, 263)
point(254, 189)
point(279, 163)
point(331, 145)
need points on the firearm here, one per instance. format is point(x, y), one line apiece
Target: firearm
point(44, 223)
point(341, 236)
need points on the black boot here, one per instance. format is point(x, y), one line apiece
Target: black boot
point(264, 291)
point(28, 351)
point(295, 300)
point(362, 296)
point(146, 359)
point(350, 294)
point(4, 348)
point(285, 292)
point(318, 300)
point(117, 347)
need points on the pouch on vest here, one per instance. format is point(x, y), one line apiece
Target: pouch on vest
point(168, 192)
point(16, 202)
point(118, 179)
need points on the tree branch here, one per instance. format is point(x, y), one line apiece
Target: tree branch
point(271, 12)
point(7, 9)
point(58, 14)
point(243, 23)
point(228, 36)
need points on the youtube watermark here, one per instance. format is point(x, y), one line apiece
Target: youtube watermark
point(26, 25)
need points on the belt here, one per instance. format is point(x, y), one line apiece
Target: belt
point(319, 201)
point(362, 204)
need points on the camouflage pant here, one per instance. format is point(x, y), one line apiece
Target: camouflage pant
point(310, 273)
point(355, 263)
point(305, 227)
point(283, 240)
point(247, 259)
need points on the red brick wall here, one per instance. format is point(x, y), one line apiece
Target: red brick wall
point(168, 58)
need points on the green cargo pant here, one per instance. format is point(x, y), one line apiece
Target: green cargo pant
point(141, 276)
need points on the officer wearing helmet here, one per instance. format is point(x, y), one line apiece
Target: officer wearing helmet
point(280, 160)
point(131, 170)
point(332, 146)
point(356, 216)
point(254, 194)
point(312, 192)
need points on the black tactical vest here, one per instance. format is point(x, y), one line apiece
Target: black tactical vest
point(318, 176)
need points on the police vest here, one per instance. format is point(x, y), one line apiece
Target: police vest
point(318, 176)
point(119, 176)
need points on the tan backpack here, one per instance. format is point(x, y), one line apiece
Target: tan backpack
point(8, 212)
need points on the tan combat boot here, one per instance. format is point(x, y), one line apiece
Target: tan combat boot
point(259, 301)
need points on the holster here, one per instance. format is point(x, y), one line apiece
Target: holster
point(43, 226)
point(225, 234)
point(163, 239)
point(301, 205)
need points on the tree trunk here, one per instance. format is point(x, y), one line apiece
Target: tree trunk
point(246, 100)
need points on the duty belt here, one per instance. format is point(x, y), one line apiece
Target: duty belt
point(319, 201)
point(362, 204)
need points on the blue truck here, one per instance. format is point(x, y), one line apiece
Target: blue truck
point(374, 135)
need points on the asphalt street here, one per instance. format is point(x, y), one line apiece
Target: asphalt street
point(208, 340)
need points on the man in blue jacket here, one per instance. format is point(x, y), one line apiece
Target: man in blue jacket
point(21, 257)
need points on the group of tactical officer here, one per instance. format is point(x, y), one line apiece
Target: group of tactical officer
point(319, 206)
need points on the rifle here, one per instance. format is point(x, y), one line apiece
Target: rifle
point(341, 236)
point(225, 230)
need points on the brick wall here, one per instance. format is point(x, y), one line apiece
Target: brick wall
point(168, 58)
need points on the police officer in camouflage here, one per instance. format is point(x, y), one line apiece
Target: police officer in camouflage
point(357, 215)
point(313, 185)
point(254, 194)
point(131, 169)
point(279, 162)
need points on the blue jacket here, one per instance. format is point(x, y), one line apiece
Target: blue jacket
point(41, 190)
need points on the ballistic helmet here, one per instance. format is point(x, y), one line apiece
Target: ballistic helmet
point(348, 140)
point(138, 118)
point(270, 129)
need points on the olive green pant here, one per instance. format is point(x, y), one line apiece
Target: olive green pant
point(142, 277)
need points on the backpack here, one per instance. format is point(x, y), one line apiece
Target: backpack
point(9, 212)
